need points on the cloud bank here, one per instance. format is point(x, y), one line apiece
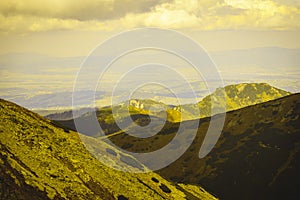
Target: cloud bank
point(95, 15)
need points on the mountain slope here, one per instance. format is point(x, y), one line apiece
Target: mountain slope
point(236, 96)
point(256, 157)
point(40, 160)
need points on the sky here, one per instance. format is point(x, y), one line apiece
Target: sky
point(43, 43)
point(75, 27)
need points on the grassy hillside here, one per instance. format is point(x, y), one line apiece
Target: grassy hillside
point(256, 157)
point(236, 96)
point(40, 160)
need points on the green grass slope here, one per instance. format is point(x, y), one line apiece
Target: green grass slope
point(40, 160)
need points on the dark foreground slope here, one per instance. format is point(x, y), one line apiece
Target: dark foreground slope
point(256, 157)
point(39, 160)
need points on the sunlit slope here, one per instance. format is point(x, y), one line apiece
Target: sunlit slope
point(134, 106)
point(40, 160)
point(236, 96)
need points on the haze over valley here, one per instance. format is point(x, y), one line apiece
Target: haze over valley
point(44, 82)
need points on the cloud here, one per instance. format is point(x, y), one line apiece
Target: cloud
point(76, 9)
point(94, 15)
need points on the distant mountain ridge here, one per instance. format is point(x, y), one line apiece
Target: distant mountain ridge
point(236, 96)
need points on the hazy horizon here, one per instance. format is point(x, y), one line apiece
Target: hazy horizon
point(41, 50)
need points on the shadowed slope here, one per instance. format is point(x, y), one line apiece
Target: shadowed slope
point(256, 157)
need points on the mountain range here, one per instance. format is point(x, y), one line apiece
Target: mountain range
point(258, 149)
point(256, 157)
point(232, 97)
